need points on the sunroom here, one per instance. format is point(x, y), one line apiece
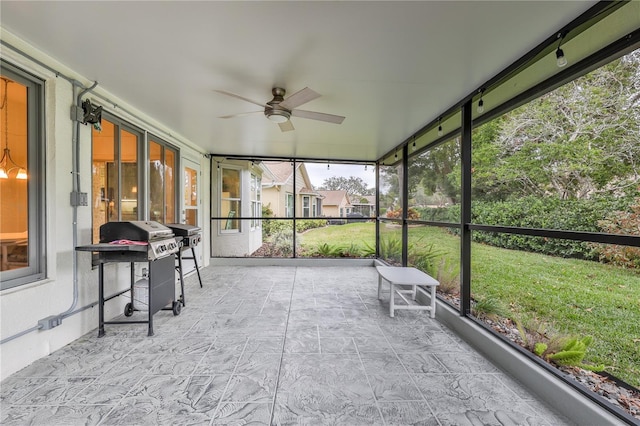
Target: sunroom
point(493, 145)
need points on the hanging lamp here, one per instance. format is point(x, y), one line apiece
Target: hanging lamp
point(7, 165)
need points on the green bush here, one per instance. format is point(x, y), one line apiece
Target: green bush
point(608, 214)
point(272, 226)
point(327, 250)
point(306, 224)
point(282, 243)
point(391, 249)
point(544, 213)
point(625, 222)
point(440, 214)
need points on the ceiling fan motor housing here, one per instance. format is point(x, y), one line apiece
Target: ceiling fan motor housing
point(274, 111)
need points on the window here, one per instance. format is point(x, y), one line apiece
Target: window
point(256, 203)
point(230, 200)
point(305, 206)
point(21, 178)
point(288, 205)
point(162, 182)
point(115, 174)
point(314, 208)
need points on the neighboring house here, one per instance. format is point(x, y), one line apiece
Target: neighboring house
point(335, 203)
point(364, 204)
point(236, 193)
point(278, 193)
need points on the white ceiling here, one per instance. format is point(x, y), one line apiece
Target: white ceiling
point(389, 67)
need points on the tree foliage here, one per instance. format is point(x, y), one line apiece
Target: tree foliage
point(353, 185)
point(433, 171)
point(575, 142)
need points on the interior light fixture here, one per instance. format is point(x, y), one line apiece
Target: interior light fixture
point(277, 116)
point(7, 165)
point(395, 156)
point(413, 145)
point(481, 102)
point(561, 61)
point(365, 167)
point(328, 166)
point(439, 126)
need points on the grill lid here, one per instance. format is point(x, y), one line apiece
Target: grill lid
point(135, 230)
point(183, 230)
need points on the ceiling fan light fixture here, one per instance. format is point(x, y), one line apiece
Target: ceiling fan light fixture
point(277, 115)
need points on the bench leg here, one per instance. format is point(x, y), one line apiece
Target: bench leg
point(433, 302)
point(414, 292)
point(379, 287)
point(391, 300)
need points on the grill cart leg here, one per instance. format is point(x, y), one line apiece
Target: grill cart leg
point(179, 269)
point(101, 300)
point(195, 262)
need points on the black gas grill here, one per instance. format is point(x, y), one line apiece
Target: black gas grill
point(191, 237)
point(138, 241)
point(158, 239)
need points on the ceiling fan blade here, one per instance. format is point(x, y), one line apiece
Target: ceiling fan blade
point(241, 114)
point(300, 97)
point(312, 115)
point(287, 126)
point(233, 95)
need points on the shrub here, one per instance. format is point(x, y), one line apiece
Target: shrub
point(425, 260)
point(448, 276)
point(555, 348)
point(412, 214)
point(622, 223)
point(489, 308)
point(306, 224)
point(281, 243)
point(272, 226)
point(544, 213)
point(572, 354)
point(441, 214)
point(353, 250)
point(391, 249)
point(327, 250)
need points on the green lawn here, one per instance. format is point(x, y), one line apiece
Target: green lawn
point(572, 296)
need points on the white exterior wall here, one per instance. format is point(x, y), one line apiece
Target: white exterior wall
point(245, 242)
point(22, 307)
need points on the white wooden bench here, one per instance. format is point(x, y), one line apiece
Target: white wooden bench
point(399, 276)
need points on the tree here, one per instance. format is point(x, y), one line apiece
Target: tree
point(433, 171)
point(577, 141)
point(353, 185)
point(390, 178)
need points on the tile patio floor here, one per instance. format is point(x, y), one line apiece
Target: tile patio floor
point(272, 345)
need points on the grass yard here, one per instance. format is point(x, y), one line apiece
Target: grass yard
point(342, 236)
point(571, 296)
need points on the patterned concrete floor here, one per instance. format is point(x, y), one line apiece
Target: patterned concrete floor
point(272, 345)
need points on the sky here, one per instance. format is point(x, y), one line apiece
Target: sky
point(318, 173)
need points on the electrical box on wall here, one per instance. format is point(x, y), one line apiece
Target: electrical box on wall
point(79, 199)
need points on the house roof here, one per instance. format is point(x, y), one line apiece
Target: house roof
point(371, 199)
point(334, 198)
point(308, 191)
point(281, 170)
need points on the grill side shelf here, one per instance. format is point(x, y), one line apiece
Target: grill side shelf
point(102, 247)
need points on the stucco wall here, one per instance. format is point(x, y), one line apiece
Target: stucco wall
point(22, 307)
point(235, 243)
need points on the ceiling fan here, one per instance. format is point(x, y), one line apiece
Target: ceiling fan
point(279, 109)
